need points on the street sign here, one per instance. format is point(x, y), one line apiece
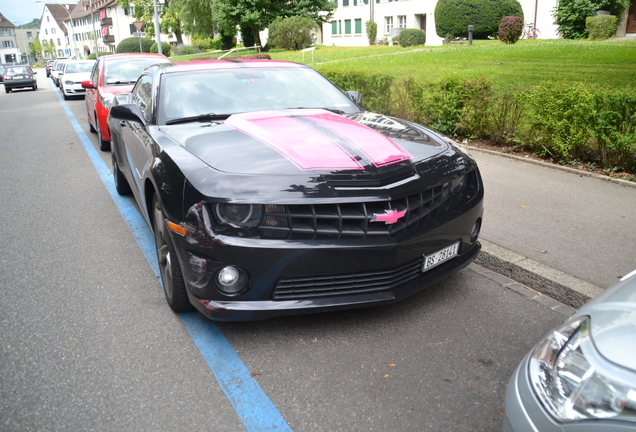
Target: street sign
point(139, 34)
point(139, 25)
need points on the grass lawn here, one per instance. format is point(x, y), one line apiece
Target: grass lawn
point(612, 63)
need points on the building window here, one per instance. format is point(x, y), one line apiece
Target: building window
point(347, 27)
point(58, 41)
point(401, 21)
point(53, 31)
point(388, 25)
point(358, 26)
point(30, 35)
point(334, 27)
point(7, 44)
point(345, 2)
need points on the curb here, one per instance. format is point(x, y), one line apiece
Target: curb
point(566, 289)
point(555, 166)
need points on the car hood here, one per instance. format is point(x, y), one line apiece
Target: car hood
point(309, 140)
point(613, 323)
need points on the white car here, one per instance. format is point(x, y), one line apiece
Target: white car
point(56, 69)
point(72, 75)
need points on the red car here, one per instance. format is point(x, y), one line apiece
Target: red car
point(112, 74)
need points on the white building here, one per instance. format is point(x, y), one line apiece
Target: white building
point(347, 27)
point(9, 51)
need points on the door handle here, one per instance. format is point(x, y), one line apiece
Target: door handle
point(122, 123)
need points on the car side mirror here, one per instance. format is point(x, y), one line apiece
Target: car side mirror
point(355, 96)
point(88, 84)
point(127, 112)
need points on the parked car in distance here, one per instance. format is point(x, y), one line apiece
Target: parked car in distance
point(48, 67)
point(270, 192)
point(55, 70)
point(17, 77)
point(582, 376)
point(1, 72)
point(72, 75)
point(112, 74)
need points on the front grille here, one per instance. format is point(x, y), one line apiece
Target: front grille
point(345, 284)
point(352, 220)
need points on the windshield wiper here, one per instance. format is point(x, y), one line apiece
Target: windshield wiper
point(333, 110)
point(199, 118)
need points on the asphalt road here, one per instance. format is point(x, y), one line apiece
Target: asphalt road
point(88, 343)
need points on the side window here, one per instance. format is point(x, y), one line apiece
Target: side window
point(95, 73)
point(142, 96)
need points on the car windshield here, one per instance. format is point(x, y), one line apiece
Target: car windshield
point(126, 71)
point(79, 67)
point(219, 92)
point(17, 70)
point(59, 66)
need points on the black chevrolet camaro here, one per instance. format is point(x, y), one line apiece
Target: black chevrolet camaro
point(270, 192)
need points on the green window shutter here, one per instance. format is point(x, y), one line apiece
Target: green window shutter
point(345, 2)
point(334, 27)
point(358, 26)
point(347, 26)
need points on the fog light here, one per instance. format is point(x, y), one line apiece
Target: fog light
point(231, 280)
point(475, 232)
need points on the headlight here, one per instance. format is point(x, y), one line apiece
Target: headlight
point(238, 215)
point(574, 382)
point(69, 82)
point(106, 99)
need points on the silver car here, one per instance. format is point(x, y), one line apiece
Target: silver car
point(581, 376)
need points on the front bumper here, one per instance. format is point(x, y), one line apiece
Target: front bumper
point(74, 90)
point(269, 263)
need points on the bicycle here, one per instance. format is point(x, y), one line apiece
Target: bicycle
point(530, 32)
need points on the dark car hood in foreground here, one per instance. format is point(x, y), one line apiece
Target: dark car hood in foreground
point(294, 142)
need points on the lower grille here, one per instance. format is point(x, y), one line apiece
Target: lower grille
point(345, 284)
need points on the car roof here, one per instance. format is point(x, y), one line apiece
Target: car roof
point(214, 64)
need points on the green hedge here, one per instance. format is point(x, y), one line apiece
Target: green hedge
point(375, 88)
point(452, 17)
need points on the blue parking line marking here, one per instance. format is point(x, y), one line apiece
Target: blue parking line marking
point(255, 410)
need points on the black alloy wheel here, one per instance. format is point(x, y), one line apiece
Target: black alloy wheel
point(171, 275)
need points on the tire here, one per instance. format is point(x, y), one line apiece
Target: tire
point(121, 184)
point(8, 90)
point(90, 126)
point(103, 144)
point(171, 275)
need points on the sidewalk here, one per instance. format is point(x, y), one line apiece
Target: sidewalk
point(566, 233)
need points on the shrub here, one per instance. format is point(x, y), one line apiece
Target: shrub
point(560, 117)
point(510, 29)
point(186, 50)
point(93, 56)
point(614, 127)
point(452, 17)
point(165, 48)
point(131, 45)
point(375, 88)
point(372, 31)
point(293, 33)
point(247, 34)
point(228, 42)
point(411, 37)
point(601, 26)
point(571, 15)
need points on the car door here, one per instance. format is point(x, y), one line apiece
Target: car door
point(138, 144)
point(91, 93)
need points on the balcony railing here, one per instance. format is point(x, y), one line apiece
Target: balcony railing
point(108, 39)
point(106, 21)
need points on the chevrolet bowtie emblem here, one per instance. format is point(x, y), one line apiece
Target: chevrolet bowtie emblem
point(389, 216)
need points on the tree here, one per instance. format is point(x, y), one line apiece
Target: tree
point(293, 33)
point(372, 31)
point(168, 20)
point(259, 14)
point(571, 15)
point(36, 48)
point(452, 17)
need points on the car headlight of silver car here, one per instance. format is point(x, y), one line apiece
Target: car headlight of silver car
point(574, 382)
point(69, 82)
point(106, 99)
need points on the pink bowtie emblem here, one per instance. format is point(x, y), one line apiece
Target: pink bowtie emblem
point(389, 216)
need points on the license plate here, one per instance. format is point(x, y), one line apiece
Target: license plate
point(440, 256)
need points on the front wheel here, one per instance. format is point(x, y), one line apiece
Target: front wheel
point(121, 184)
point(171, 275)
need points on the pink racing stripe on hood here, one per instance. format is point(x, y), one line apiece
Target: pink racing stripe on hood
point(377, 148)
point(301, 144)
